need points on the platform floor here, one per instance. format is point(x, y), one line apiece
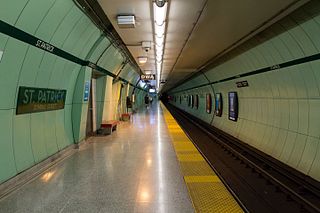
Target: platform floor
point(133, 170)
point(206, 189)
point(147, 165)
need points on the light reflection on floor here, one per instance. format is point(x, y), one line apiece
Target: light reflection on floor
point(133, 170)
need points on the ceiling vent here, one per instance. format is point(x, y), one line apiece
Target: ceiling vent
point(126, 21)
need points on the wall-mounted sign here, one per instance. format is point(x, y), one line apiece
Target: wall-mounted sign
point(191, 101)
point(242, 84)
point(208, 103)
point(32, 100)
point(148, 77)
point(86, 91)
point(1, 53)
point(218, 105)
point(44, 45)
point(196, 101)
point(233, 106)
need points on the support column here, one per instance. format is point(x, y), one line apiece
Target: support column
point(80, 104)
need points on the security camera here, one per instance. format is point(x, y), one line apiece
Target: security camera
point(146, 45)
point(147, 49)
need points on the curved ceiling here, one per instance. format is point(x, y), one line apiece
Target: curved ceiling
point(198, 31)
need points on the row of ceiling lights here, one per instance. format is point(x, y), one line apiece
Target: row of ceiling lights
point(160, 12)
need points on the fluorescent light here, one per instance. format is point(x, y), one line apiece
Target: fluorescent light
point(159, 46)
point(142, 59)
point(158, 73)
point(159, 13)
point(159, 51)
point(159, 66)
point(159, 30)
point(159, 40)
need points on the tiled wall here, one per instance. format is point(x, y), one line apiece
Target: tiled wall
point(279, 113)
point(30, 138)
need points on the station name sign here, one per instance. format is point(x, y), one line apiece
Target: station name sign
point(242, 84)
point(32, 100)
point(148, 77)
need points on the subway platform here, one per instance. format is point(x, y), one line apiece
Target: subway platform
point(147, 165)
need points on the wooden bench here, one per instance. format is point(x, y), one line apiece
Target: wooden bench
point(108, 126)
point(126, 116)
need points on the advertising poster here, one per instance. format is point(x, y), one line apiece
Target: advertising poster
point(196, 101)
point(191, 101)
point(208, 103)
point(218, 105)
point(233, 106)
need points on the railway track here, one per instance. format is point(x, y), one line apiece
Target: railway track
point(260, 183)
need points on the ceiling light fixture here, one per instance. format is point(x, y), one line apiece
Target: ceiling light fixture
point(142, 59)
point(159, 30)
point(159, 58)
point(160, 12)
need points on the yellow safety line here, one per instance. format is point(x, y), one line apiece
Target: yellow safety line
point(207, 192)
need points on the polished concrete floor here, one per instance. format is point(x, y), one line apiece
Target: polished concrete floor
point(133, 170)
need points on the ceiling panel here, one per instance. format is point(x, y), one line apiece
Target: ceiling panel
point(133, 37)
point(222, 24)
point(197, 30)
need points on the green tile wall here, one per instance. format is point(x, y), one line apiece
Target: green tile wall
point(279, 111)
point(30, 138)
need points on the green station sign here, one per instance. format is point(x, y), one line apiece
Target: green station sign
point(32, 100)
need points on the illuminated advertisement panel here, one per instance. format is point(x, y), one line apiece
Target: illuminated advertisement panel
point(233, 106)
point(218, 105)
point(208, 103)
point(196, 102)
point(192, 101)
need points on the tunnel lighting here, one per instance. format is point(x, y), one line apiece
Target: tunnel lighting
point(160, 13)
point(142, 59)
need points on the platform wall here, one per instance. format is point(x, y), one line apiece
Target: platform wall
point(30, 138)
point(279, 112)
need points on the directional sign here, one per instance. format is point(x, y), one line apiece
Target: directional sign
point(148, 77)
point(86, 91)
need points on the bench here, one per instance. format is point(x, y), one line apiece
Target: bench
point(108, 126)
point(126, 116)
